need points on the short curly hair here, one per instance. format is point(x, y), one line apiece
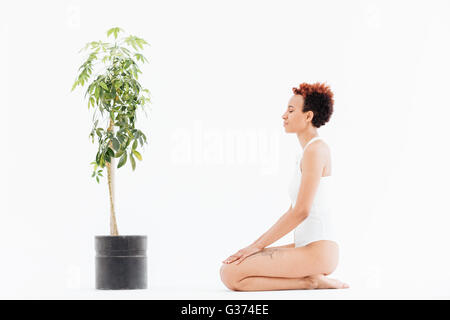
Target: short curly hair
point(318, 99)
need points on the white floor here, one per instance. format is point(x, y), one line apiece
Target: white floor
point(168, 293)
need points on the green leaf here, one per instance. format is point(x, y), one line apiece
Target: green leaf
point(110, 152)
point(133, 162)
point(91, 101)
point(104, 86)
point(84, 48)
point(137, 154)
point(98, 181)
point(127, 64)
point(143, 41)
point(94, 44)
point(116, 144)
point(118, 84)
point(121, 138)
point(115, 30)
point(134, 144)
point(119, 153)
point(74, 85)
point(139, 57)
point(93, 174)
point(122, 160)
point(107, 157)
point(128, 142)
point(97, 92)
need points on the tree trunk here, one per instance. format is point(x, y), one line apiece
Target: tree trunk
point(111, 168)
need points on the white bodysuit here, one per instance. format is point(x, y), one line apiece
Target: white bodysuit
point(318, 224)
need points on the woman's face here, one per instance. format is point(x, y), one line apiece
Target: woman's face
point(295, 120)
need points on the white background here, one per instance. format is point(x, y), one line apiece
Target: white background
point(217, 67)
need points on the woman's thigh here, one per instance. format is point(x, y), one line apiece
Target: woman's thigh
point(290, 245)
point(286, 262)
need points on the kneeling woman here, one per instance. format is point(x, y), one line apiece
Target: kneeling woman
point(314, 254)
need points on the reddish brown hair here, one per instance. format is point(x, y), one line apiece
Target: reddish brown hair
point(318, 99)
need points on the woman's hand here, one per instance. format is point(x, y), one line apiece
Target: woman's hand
point(242, 254)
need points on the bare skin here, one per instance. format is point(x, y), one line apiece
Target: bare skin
point(259, 267)
point(285, 268)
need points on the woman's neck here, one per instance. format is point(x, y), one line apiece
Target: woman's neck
point(304, 138)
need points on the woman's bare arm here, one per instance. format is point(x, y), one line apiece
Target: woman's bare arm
point(313, 163)
point(284, 225)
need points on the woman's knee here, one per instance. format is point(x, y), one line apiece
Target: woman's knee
point(229, 273)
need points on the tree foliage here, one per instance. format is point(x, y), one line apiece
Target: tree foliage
point(115, 94)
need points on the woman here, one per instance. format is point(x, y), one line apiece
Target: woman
point(314, 254)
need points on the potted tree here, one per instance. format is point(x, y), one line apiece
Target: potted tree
point(115, 95)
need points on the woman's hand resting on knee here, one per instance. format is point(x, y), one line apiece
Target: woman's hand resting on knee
point(242, 254)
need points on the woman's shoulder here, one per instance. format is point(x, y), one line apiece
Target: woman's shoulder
point(318, 148)
point(317, 153)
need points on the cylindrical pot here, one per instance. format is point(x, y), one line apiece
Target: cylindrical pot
point(120, 262)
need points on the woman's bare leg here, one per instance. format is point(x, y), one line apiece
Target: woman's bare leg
point(272, 283)
point(281, 268)
point(290, 245)
point(299, 262)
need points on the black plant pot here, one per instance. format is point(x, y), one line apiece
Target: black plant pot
point(120, 262)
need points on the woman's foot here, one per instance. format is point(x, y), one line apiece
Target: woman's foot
point(322, 282)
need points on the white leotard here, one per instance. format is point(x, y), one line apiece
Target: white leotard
point(318, 224)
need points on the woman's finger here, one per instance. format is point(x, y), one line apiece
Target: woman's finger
point(245, 256)
point(227, 260)
point(233, 258)
point(240, 260)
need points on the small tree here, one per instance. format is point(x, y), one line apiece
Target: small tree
point(117, 94)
